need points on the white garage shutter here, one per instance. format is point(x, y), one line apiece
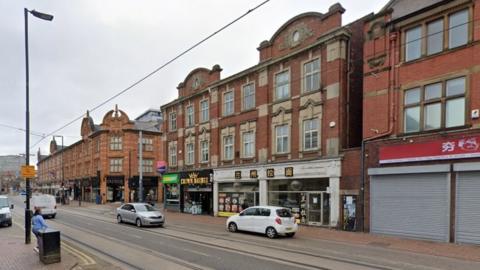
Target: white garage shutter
point(467, 229)
point(410, 205)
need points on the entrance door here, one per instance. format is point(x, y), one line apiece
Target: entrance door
point(314, 208)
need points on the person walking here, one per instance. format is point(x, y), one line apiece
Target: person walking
point(38, 223)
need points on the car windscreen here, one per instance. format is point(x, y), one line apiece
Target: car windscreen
point(284, 213)
point(144, 208)
point(3, 202)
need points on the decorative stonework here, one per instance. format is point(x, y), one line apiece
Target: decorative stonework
point(377, 29)
point(376, 61)
point(197, 81)
point(296, 36)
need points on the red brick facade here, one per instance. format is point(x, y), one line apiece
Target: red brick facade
point(398, 65)
point(87, 163)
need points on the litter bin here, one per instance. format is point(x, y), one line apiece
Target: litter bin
point(49, 246)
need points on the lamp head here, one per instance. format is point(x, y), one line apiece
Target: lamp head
point(41, 15)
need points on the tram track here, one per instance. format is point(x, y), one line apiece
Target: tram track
point(256, 244)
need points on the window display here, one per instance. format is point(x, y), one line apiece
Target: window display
point(235, 197)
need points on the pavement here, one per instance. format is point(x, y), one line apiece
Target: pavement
point(16, 255)
point(447, 250)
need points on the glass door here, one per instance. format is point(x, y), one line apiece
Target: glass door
point(314, 208)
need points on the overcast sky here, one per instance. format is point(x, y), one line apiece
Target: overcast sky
point(95, 48)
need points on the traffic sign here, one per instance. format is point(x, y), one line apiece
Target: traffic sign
point(28, 171)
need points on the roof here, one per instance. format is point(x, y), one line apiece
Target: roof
point(401, 8)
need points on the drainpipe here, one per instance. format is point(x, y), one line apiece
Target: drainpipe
point(391, 119)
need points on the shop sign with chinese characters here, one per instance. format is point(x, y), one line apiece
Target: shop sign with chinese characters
point(468, 147)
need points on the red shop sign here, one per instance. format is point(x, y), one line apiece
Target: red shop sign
point(468, 147)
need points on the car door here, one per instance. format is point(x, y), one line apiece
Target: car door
point(126, 212)
point(245, 219)
point(261, 220)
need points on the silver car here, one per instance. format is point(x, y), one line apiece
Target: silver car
point(141, 214)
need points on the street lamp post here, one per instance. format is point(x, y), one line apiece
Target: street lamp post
point(63, 177)
point(28, 216)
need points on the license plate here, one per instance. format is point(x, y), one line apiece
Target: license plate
point(289, 228)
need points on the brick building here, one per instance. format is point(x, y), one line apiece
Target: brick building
point(421, 120)
point(282, 132)
point(105, 161)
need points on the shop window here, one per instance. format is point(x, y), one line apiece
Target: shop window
point(173, 121)
point(204, 150)
point(281, 134)
point(311, 73)
point(282, 85)
point(115, 165)
point(249, 96)
point(190, 116)
point(228, 147)
point(115, 143)
point(435, 106)
point(190, 154)
point(228, 104)
point(204, 114)
point(248, 144)
point(310, 134)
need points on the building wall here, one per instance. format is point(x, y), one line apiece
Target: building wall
point(387, 75)
point(92, 153)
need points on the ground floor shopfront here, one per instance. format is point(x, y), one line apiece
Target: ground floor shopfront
point(189, 192)
point(311, 189)
point(411, 196)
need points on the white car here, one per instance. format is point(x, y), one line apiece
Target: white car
point(46, 203)
point(269, 220)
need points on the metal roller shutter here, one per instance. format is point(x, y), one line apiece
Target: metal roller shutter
point(410, 205)
point(467, 229)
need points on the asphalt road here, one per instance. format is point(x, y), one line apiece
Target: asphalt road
point(188, 246)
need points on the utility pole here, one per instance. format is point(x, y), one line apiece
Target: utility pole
point(140, 166)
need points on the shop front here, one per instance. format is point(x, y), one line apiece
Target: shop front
point(86, 193)
point(235, 190)
point(309, 189)
point(411, 197)
point(115, 188)
point(171, 186)
point(150, 188)
point(196, 191)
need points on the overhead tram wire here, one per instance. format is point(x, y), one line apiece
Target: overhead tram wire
point(402, 44)
point(154, 71)
point(38, 134)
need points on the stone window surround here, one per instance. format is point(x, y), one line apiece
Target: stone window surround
point(170, 121)
point(202, 137)
point(311, 58)
point(303, 134)
point(243, 94)
point(190, 105)
point(230, 90)
point(190, 139)
point(225, 132)
point(250, 126)
point(288, 135)
point(172, 145)
point(310, 110)
point(201, 110)
point(282, 70)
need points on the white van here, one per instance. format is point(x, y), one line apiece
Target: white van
point(5, 213)
point(46, 203)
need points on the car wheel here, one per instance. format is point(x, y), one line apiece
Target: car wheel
point(9, 224)
point(139, 222)
point(119, 219)
point(290, 234)
point(271, 232)
point(232, 227)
